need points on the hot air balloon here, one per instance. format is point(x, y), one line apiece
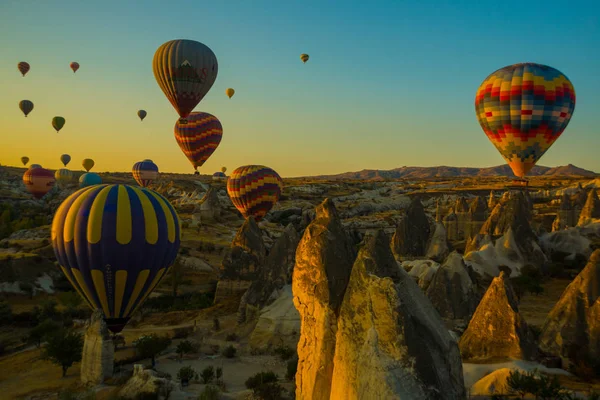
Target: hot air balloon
point(199, 137)
point(114, 243)
point(523, 109)
point(254, 190)
point(26, 106)
point(34, 166)
point(229, 92)
point(88, 164)
point(223, 169)
point(304, 58)
point(24, 160)
point(65, 159)
point(185, 70)
point(142, 114)
point(58, 123)
point(74, 66)
point(219, 176)
point(63, 176)
point(23, 67)
point(144, 172)
point(89, 179)
point(38, 181)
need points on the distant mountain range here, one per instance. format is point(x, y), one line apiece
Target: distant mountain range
point(450, 172)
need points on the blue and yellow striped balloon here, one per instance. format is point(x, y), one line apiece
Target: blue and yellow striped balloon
point(114, 243)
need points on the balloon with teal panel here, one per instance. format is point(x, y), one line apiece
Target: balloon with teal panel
point(114, 243)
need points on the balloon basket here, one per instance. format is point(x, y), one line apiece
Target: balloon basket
point(183, 121)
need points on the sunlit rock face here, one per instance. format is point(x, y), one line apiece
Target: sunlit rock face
point(391, 343)
point(438, 247)
point(412, 233)
point(324, 259)
point(591, 209)
point(497, 330)
point(209, 209)
point(478, 213)
point(98, 354)
point(572, 328)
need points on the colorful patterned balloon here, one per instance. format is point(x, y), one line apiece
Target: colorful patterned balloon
point(142, 114)
point(24, 160)
point(523, 109)
point(89, 179)
point(23, 68)
point(74, 66)
point(254, 190)
point(185, 70)
point(58, 123)
point(199, 137)
point(114, 243)
point(26, 106)
point(145, 172)
point(63, 176)
point(88, 164)
point(38, 181)
point(219, 176)
point(65, 159)
point(304, 58)
point(33, 166)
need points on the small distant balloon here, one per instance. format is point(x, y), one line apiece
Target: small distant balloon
point(254, 190)
point(219, 176)
point(63, 175)
point(26, 106)
point(142, 114)
point(74, 66)
point(24, 160)
point(58, 123)
point(65, 159)
point(304, 58)
point(88, 164)
point(38, 181)
point(229, 92)
point(223, 169)
point(23, 67)
point(89, 179)
point(34, 166)
point(145, 172)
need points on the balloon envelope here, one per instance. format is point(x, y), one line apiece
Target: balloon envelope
point(223, 169)
point(523, 109)
point(58, 123)
point(23, 67)
point(114, 243)
point(254, 190)
point(199, 137)
point(63, 175)
point(74, 66)
point(185, 70)
point(142, 114)
point(304, 57)
point(89, 179)
point(24, 160)
point(87, 164)
point(65, 159)
point(229, 92)
point(26, 106)
point(33, 166)
point(38, 181)
point(219, 176)
point(145, 172)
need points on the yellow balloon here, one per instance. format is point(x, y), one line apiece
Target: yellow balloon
point(304, 58)
point(88, 164)
point(229, 92)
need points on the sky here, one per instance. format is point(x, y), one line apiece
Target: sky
point(388, 83)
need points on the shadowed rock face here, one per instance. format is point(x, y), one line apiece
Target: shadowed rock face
point(247, 253)
point(497, 330)
point(591, 209)
point(98, 351)
point(391, 343)
point(438, 247)
point(572, 328)
point(324, 259)
point(412, 233)
point(210, 206)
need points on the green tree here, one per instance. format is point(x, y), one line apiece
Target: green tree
point(151, 346)
point(64, 348)
point(187, 374)
point(42, 332)
point(186, 347)
point(208, 374)
point(70, 300)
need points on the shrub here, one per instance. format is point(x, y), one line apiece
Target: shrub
point(292, 367)
point(64, 348)
point(210, 392)
point(207, 374)
point(285, 352)
point(186, 347)
point(187, 374)
point(269, 391)
point(229, 351)
point(152, 345)
point(260, 379)
point(232, 337)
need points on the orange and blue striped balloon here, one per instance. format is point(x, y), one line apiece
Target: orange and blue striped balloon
point(199, 137)
point(144, 172)
point(114, 243)
point(254, 190)
point(523, 109)
point(38, 181)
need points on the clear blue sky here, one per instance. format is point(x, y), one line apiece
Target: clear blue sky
point(388, 83)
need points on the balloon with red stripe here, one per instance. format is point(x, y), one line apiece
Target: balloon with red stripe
point(254, 190)
point(199, 137)
point(145, 172)
point(38, 181)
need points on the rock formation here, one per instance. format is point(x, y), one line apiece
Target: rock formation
point(591, 209)
point(451, 224)
point(492, 383)
point(566, 211)
point(412, 233)
point(98, 354)
point(209, 209)
point(452, 291)
point(478, 213)
point(572, 328)
point(491, 200)
point(438, 247)
point(391, 343)
point(146, 381)
point(461, 209)
point(496, 329)
point(558, 224)
point(324, 259)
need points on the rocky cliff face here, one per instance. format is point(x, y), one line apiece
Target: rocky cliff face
point(438, 247)
point(248, 253)
point(324, 259)
point(413, 231)
point(98, 352)
point(209, 209)
point(391, 343)
point(572, 328)
point(591, 209)
point(497, 330)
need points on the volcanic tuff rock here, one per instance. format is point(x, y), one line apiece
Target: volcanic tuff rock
point(209, 209)
point(324, 259)
point(247, 253)
point(422, 271)
point(438, 247)
point(452, 291)
point(412, 233)
point(146, 381)
point(591, 209)
point(391, 343)
point(98, 351)
point(572, 328)
point(497, 330)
